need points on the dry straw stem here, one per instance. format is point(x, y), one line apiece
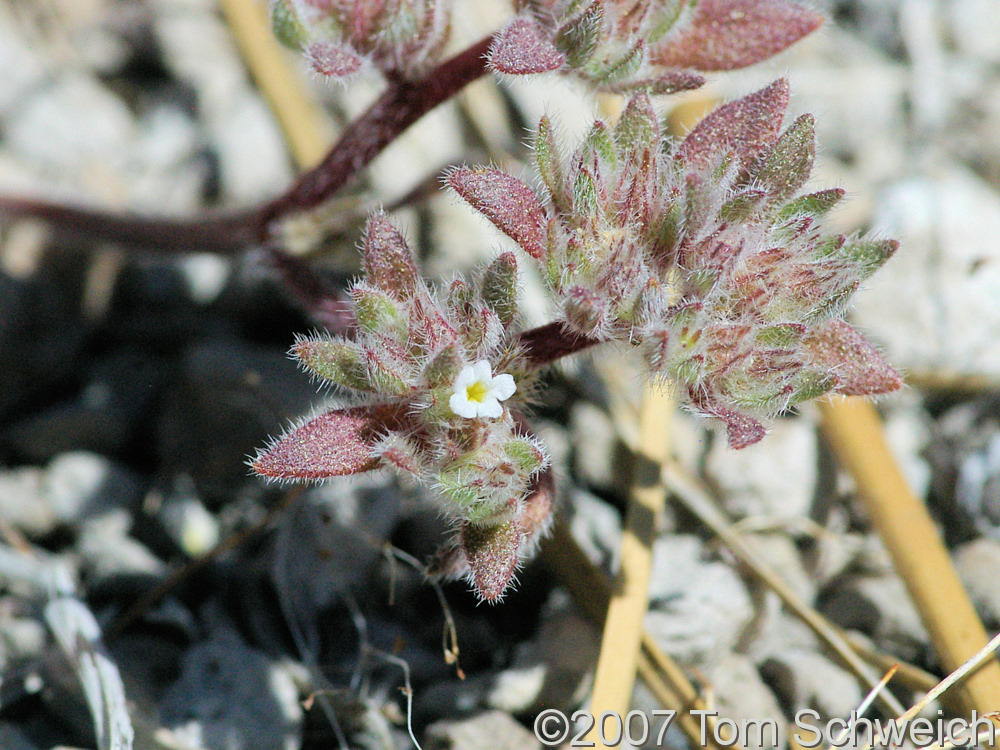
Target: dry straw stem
point(591, 592)
point(616, 665)
point(696, 498)
point(962, 672)
point(913, 677)
point(300, 119)
point(854, 431)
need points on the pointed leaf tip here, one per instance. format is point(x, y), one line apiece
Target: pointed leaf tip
point(336, 443)
point(511, 205)
point(787, 166)
point(492, 555)
point(523, 48)
point(859, 367)
point(731, 34)
point(388, 260)
point(747, 127)
point(333, 60)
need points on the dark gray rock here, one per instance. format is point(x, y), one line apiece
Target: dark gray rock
point(232, 697)
point(228, 399)
point(880, 607)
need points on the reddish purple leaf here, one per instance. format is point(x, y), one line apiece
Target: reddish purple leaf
point(746, 127)
point(741, 429)
point(506, 201)
point(859, 367)
point(491, 552)
point(333, 444)
point(388, 260)
point(537, 508)
point(730, 34)
point(523, 48)
point(333, 60)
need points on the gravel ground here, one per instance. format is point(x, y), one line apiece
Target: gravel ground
point(134, 386)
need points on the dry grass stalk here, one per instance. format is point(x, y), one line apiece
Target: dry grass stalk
point(955, 678)
point(616, 666)
point(854, 431)
point(591, 592)
point(698, 501)
point(300, 119)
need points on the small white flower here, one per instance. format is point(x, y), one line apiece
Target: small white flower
point(478, 392)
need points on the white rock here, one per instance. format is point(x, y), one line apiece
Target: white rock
point(596, 527)
point(907, 429)
point(934, 304)
point(252, 154)
point(166, 172)
point(594, 441)
point(698, 608)
point(75, 129)
point(973, 28)
point(807, 679)
point(977, 563)
point(22, 66)
point(742, 697)
point(490, 730)
point(775, 478)
point(779, 552)
point(106, 550)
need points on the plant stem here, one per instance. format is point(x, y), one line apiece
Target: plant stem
point(401, 105)
point(552, 341)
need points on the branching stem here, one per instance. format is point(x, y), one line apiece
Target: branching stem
point(401, 104)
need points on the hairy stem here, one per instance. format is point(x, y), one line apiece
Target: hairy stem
point(401, 105)
point(552, 341)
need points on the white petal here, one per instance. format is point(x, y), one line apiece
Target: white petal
point(503, 386)
point(462, 406)
point(465, 378)
point(490, 408)
point(483, 370)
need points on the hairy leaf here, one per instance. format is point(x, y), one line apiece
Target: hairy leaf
point(491, 552)
point(506, 201)
point(746, 127)
point(858, 365)
point(731, 34)
point(522, 48)
point(333, 444)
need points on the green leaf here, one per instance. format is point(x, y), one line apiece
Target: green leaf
point(638, 126)
point(816, 204)
point(549, 162)
point(788, 164)
point(499, 288)
point(287, 26)
point(338, 361)
point(579, 38)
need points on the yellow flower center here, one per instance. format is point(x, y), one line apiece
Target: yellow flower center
point(476, 392)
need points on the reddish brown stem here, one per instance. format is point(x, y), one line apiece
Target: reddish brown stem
point(402, 104)
point(548, 343)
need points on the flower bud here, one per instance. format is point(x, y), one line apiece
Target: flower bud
point(499, 288)
point(338, 361)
